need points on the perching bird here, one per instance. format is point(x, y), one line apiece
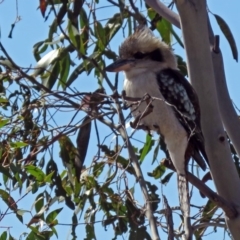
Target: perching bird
point(150, 67)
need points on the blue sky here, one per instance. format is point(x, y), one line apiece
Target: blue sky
point(32, 29)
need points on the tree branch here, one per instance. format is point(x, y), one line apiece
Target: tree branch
point(207, 224)
point(194, 25)
point(169, 219)
point(165, 12)
point(228, 114)
point(138, 171)
point(227, 207)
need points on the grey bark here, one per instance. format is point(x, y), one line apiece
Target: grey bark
point(165, 12)
point(228, 114)
point(194, 23)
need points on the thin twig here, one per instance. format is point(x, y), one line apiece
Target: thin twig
point(227, 207)
point(169, 219)
point(139, 174)
point(208, 224)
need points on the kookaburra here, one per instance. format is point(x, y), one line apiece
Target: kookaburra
point(150, 67)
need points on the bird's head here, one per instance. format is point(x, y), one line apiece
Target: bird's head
point(143, 51)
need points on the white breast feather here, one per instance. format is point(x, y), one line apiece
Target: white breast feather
point(163, 116)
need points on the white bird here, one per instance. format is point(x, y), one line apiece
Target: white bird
point(150, 67)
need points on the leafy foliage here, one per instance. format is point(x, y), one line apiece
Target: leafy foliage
point(228, 34)
point(44, 120)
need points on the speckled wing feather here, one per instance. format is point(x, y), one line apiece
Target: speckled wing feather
point(179, 93)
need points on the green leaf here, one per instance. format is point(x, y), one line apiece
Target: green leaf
point(164, 28)
point(51, 76)
point(64, 70)
point(72, 32)
point(41, 162)
point(3, 100)
point(35, 234)
point(140, 234)
point(18, 179)
point(5, 172)
point(3, 236)
point(157, 172)
point(73, 35)
point(207, 214)
point(36, 172)
point(162, 25)
point(153, 196)
point(19, 217)
point(74, 225)
point(67, 150)
point(18, 144)
point(82, 67)
point(176, 37)
point(129, 26)
point(10, 237)
point(151, 13)
point(98, 168)
point(229, 36)
point(39, 202)
point(83, 199)
point(15, 168)
point(155, 153)
point(208, 210)
point(83, 18)
point(114, 24)
point(110, 54)
point(166, 179)
point(6, 197)
point(182, 65)
point(48, 178)
point(3, 122)
point(84, 24)
point(100, 34)
point(163, 147)
point(91, 182)
point(21, 212)
point(90, 231)
point(147, 147)
point(35, 187)
point(77, 189)
point(47, 234)
point(82, 47)
point(52, 30)
point(54, 231)
point(52, 215)
point(82, 142)
point(111, 177)
point(126, 165)
point(36, 50)
point(42, 49)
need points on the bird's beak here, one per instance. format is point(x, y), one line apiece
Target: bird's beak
point(120, 65)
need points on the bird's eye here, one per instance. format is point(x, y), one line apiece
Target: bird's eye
point(156, 55)
point(139, 55)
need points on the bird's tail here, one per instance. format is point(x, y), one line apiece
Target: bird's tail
point(185, 205)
